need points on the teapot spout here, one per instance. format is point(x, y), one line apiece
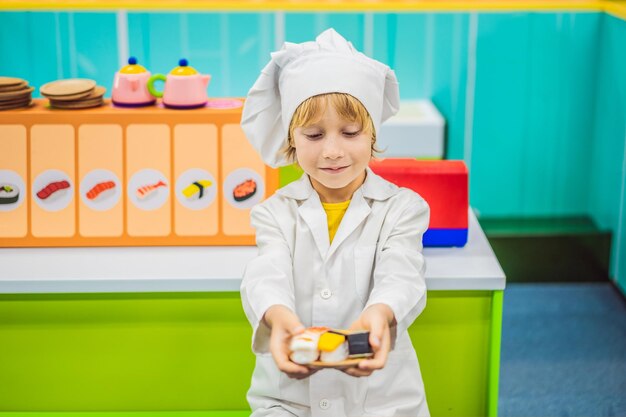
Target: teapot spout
point(205, 80)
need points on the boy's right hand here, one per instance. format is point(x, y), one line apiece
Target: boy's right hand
point(284, 324)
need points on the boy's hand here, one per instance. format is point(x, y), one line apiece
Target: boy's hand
point(376, 319)
point(285, 324)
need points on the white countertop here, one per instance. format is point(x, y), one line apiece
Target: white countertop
point(208, 268)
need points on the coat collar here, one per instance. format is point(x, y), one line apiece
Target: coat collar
point(374, 188)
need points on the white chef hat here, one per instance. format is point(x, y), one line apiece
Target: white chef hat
point(299, 71)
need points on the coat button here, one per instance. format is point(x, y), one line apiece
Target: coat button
point(326, 293)
point(324, 404)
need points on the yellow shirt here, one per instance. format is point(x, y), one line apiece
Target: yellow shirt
point(334, 214)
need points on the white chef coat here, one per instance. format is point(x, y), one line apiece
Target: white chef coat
point(375, 257)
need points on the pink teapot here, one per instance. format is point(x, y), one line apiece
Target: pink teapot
point(130, 86)
point(184, 87)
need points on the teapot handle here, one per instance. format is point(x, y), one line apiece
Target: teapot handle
point(150, 85)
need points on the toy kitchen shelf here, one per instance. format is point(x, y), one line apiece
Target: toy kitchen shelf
point(156, 149)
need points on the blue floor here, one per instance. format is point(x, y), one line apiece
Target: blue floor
point(563, 350)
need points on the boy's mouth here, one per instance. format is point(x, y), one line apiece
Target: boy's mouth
point(334, 170)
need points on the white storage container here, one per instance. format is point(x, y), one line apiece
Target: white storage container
point(417, 131)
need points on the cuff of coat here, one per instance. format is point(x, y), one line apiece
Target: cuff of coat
point(401, 310)
point(261, 331)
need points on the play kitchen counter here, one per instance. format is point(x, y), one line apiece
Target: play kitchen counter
point(162, 328)
point(129, 304)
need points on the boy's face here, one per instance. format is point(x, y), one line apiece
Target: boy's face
point(334, 152)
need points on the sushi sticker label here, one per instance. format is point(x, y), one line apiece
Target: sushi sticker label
point(196, 189)
point(53, 190)
point(148, 189)
point(244, 188)
point(11, 190)
point(100, 190)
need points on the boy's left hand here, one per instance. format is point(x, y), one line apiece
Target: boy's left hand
point(376, 319)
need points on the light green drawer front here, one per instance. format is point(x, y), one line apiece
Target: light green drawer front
point(191, 351)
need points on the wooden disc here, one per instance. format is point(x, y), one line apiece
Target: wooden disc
point(9, 81)
point(24, 104)
point(67, 87)
point(7, 88)
point(75, 105)
point(15, 100)
point(72, 97)
point(16, 94)
point(97, 92)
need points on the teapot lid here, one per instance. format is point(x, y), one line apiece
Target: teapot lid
point(132, 67)
point(183, 68)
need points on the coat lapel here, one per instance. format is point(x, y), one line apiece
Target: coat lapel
point(310, 210)
point(358, 210)
point(313, 214)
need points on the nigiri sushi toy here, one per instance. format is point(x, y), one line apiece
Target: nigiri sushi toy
point(304, 347)
point(321, 347)
point(52, 188)
point(333, 347)
point(196, 189)
point(9, 193)
point(147, 190)
point(99, 188)
point(245, 190)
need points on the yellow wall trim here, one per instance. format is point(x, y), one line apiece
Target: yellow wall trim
point(613, 7)
point(616, 8)
point(319, 5)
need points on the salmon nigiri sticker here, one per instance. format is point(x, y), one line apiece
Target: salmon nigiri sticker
point(100, 189)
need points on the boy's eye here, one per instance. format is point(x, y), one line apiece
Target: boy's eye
point(352, 134)
point(313, 136)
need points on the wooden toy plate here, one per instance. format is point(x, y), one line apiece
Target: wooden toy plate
point(348, 363)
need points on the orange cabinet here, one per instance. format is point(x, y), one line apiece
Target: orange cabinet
point(123, 177)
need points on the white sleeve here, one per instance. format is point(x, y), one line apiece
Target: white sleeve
point(399, 272)
point(268, 278)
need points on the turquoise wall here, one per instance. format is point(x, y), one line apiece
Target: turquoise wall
point(515, 88)
point(607, 168)
point(534, 102)
point(533, 113)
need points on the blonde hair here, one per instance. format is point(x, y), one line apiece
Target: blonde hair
point(312, 109)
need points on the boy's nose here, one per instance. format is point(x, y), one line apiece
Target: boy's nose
point(332, 148)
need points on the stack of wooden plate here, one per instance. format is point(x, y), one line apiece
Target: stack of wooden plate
point(14, 93)
point(73, 94)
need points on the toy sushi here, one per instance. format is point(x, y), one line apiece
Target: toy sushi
point(9, 193)
point(322, 347)
point(100, 188)
point(245, 190)
point(195, 191)
point(52, 188)
point(146, 191)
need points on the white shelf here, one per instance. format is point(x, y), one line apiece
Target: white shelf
point(215, 268)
